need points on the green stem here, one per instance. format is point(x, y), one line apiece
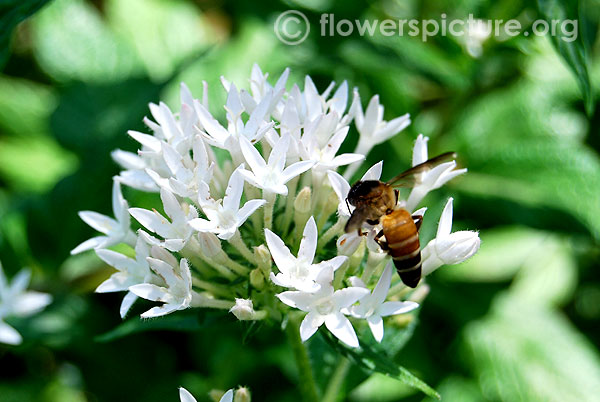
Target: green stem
point(268, 208)
point(289, 205)
point(336, 381)
point(237, 242)
point(308, 386)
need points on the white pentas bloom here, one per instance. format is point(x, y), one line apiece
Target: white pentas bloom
point(176, 294)
point(449, 248)
point(271, 176)
point(252, 211)
point(177, 232)
point(130, 271)
point(431, 179)
point(16, 300)
point(224, 218)
point(299, 272)
point(325, 307)
point(115, 230)
point(373, 306)
point(186, 396)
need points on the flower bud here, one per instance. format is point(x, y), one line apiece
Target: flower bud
point(257, 279)
point(209, 244)
point(451, 249)
point(263, 257)
point(243, 309)
point(303, 200)
point(242, 394)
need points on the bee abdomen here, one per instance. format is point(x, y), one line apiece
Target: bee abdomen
point(409, 268)
point(403, 245)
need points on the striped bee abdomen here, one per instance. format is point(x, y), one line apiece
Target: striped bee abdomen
point(402, 238)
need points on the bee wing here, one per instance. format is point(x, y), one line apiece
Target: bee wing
point(356, 219)
point(408, 178)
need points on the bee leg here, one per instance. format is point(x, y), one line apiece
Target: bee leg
point(397, 192)
point(383, 244)
point(361, 233)
point(418, 219)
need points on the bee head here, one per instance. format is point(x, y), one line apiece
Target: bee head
point(362, 189)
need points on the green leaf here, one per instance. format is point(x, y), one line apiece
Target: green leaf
point(71, 41)
point(162, 33)
point(573, 51)
point(525, 352)
point(375, 361)
point(11, 13)
point(180, 321)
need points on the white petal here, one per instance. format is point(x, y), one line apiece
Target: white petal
point(445, 225)
point(233, 193)
point(340, 326)
point(147, 140)
point(117, 260)
point(185, 396)
point(374, 172)
point(119, 205)
point(89, 244)
point(252, 156)
point(371, 117)
point(348, 296)
point(126, 304)
point(376, 326)
point(9, 335)
point(281, 254)
point(202, 225)
point(310, 324)
point(151, 220)
point(171, 206)
point(160, 311)
point(308, 244)
point(165, 270)
point(346, 159)
point(149, 292)
point(383, 285)
point(296, 299)
point(396, 307)
point(296, 169)
point(340, 186)
point(20, 281)
point(340, 99)
point(248, 209)
point(30, 303)
point(116, 283)
point(227, 397)
point(392, 128)
point(101, 223)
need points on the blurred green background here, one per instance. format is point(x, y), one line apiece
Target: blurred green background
point(518, 322)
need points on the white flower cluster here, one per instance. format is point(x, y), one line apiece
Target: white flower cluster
point(239, 195)
point(16, 301)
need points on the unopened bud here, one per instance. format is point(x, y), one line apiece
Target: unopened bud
point(449, 249)
point(303, 200)
point(243, 309)
point(263, 257)
point(242, 394)
point(257, 279)
point(209, 244)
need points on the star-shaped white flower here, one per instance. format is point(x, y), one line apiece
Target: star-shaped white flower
point(15, 300)
point(448, 248)
point(372, 128)
point(431, 179)
point(325, 306)
point(299, 272)
point(224, 218)
point(271, 176)
point(373, 306)
point(177, 294)
point(130, 272)
point(177, 232)
point(185, 396)
point(186, 174)
point(115, 230)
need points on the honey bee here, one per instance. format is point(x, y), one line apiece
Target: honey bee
point(377, 202)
